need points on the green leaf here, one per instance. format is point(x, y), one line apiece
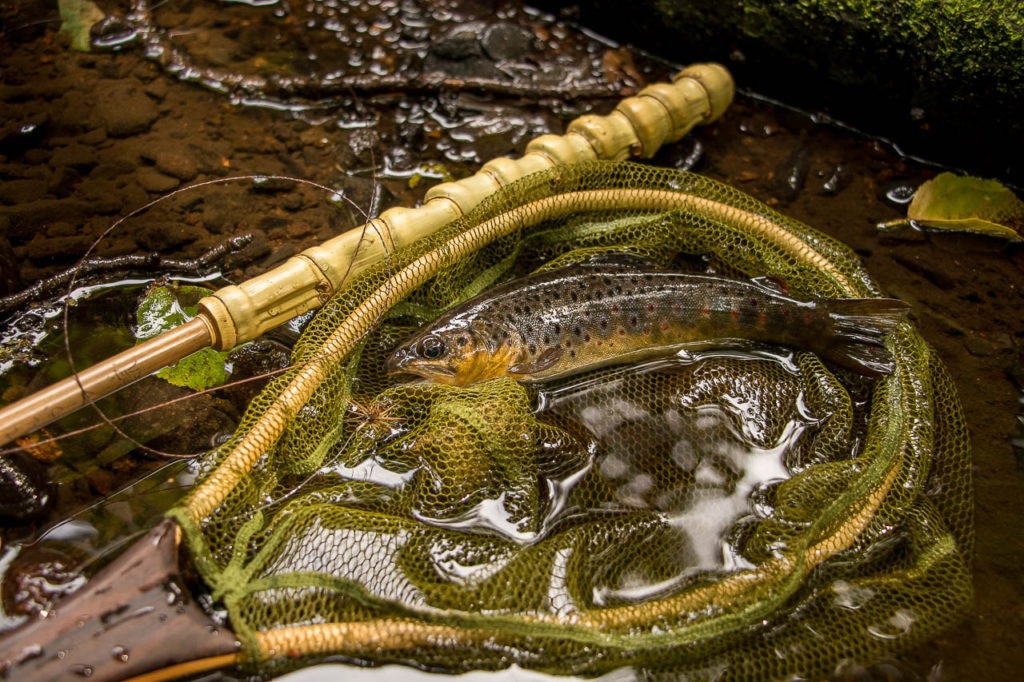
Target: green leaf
point(966, 204)
point(166, 307)
point(78, 17)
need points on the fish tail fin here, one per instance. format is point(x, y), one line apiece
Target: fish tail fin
point(859, 327)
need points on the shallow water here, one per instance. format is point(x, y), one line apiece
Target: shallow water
point(91, 137)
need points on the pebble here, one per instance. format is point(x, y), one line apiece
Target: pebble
point(10, 280)
point(152, 180)
point(504, 41)
point(77, 156)
point(177, 163)
point(47, 249)
point(21, 191)
point(125, 110)
point(166, 236)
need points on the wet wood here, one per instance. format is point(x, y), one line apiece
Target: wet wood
point(135, 617)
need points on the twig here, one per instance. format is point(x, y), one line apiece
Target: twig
point(147, 261)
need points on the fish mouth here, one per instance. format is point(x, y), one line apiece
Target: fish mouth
point(405, 360)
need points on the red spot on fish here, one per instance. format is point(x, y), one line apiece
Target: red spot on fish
point(664, 326)
point(650, 308)
point(615, 308)
point(706, 311)
point(735, 314)
point(763, 319)
point(677, 308)
point(622, 331)
point(807, 318)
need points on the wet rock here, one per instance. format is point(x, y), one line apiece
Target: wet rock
point(979, 347)
point(152, 180)
point(125, 110)
point(46, 249)
point(25, 488)
point(283, 253)
point(254, 250)
point(21, 191)
point(26, 218)
point(74, 115)
point(19, 135)
point(459, 54)
point(465, 44)
point(272, 185)
point(791, 175)
point(167, 236)
point(835, 180)
point(253, 364)
point(504, 41)
point(10, 280)
point(77, 156)
point(37, 577)
point(170, 424)
point(177, 163)
point(219, 217)
point(63, 182)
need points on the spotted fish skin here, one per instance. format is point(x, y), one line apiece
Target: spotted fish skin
point(560, 322)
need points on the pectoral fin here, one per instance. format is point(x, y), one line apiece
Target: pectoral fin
point(545, 360)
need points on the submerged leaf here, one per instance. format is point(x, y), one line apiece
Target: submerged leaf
point(966, 204)
point(166, 307)
point(77, 18)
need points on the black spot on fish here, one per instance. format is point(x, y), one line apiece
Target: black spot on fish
point(604, 324)
point(577, 330)
point(572, 296)
point(572, 354)
point(586, 337)
point(547, 339)
point(461, 341)
point(558, 329)
point(532, 348)
point(633, 321)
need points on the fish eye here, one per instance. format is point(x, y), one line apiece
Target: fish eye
point(431, 347)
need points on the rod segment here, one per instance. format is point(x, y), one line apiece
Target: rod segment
point(67, 395)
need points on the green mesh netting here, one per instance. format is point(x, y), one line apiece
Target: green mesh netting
point(729, 515)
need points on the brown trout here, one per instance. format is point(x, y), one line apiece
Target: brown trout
point(565, 321)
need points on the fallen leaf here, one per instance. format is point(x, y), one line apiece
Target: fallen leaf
point(77, 18)
point(963, 203)
point(168, 306)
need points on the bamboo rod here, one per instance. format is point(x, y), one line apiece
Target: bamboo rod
point(638, 126)
point(67, 395)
